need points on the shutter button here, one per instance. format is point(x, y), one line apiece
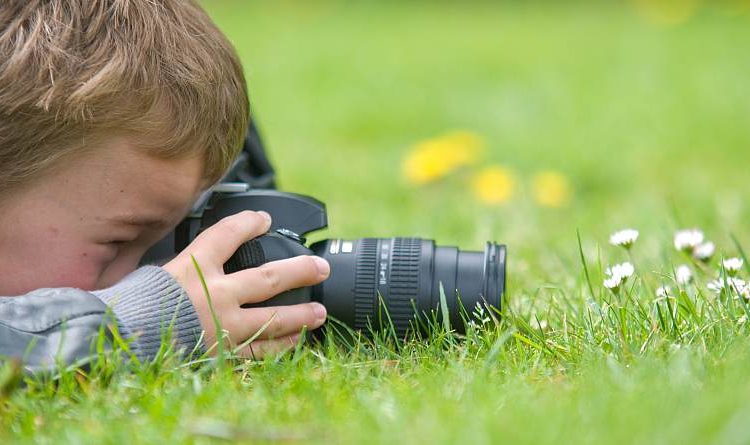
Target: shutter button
point(286, 233)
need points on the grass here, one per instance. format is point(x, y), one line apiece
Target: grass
point(648, 123)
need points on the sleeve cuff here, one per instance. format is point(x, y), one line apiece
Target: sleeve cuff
point(147, 304)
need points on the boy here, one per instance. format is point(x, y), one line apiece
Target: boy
point(114, 116)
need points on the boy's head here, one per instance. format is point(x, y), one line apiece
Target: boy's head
point(111, 111)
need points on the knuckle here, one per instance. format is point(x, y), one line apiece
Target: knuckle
point(233, 226)
point(271, 278)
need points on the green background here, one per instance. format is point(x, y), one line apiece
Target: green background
point(649, 122)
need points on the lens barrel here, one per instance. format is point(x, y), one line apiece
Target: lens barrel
point(407, 274)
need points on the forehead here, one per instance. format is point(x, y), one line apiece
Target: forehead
point(117, 179)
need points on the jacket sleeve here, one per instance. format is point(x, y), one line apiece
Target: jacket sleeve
point(50, 326)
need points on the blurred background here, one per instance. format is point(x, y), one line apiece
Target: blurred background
point(519, 122)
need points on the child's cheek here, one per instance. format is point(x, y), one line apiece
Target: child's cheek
point(84, 269)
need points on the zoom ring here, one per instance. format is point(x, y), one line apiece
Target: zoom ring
point(404, 282)
point(365, 294)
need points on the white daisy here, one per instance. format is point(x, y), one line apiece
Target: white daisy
point(735, 284)
point(613, 283)
point(732, 265)
point(683, 275)
point(705, 251)
point(688, 240)
point(623, 271)
point(617, 275)
point(624, 238)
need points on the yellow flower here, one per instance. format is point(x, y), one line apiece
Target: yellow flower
point(433, 159)
point(551, 189)
point(666, 12)
point(494, 185)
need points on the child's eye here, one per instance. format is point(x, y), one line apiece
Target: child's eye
point(116, 242)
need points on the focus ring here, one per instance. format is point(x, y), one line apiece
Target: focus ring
point(404, 281)
point(364, 282)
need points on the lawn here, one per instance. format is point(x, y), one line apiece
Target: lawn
point(641, 118)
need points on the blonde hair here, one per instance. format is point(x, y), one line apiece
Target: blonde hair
point(74, 71)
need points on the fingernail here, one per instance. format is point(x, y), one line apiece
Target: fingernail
point(265, 215)
point(320, 311)
point(323, 267)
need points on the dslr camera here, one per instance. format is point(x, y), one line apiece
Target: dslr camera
point(371, 280)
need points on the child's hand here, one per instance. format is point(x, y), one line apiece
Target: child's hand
point(212, 249)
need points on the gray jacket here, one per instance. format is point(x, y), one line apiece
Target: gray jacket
point(50, 326)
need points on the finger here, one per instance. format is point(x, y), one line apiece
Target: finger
point(263, 348)
point(216, 244)
point(267, 280)
point(279, 321)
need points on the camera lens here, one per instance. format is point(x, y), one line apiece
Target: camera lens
point(406, 273)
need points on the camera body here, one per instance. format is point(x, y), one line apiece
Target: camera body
point(293, 217)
